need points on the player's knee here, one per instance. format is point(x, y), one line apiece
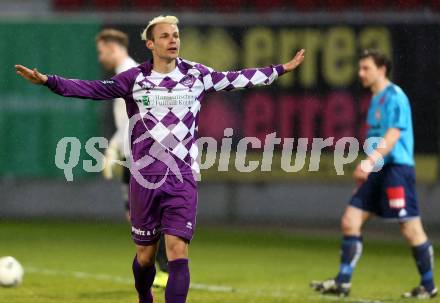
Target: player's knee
point(349, 225)
point(145, 258)
point(177, 250)
point(413, 233)
point(408, 232)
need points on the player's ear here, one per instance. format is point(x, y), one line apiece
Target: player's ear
point(150, 44)
point(383, 70)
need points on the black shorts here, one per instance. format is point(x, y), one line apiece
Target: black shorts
point(389, 193)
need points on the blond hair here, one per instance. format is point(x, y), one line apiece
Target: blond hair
point(147, 34)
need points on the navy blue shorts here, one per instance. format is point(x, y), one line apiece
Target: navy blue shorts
point(389, 193)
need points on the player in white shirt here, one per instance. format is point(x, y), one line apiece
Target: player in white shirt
point(112, 47)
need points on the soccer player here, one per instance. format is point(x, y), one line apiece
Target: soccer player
point(388, 192)
point(166, 92)
point(112, 46)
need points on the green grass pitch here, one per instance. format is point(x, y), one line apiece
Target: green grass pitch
point(91, 263)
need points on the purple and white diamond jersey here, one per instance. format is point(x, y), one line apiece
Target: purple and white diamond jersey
point(168, 106)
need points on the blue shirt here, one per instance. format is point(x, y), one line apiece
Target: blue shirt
point(391, 109)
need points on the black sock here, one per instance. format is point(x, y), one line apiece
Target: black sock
point(351, 250)
point(143, 280)
point(424, 256)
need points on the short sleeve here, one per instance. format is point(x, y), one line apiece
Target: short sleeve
point(397, 112)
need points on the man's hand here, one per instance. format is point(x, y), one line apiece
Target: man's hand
point(362, 171)
point(112, 168)
point(33, 76)
point(297, 60)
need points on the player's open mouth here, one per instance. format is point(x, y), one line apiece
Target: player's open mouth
point(173, 49)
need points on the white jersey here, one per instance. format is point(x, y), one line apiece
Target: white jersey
point(120, 112)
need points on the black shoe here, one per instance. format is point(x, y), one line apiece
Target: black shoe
point(420, 293)
point(331, 287)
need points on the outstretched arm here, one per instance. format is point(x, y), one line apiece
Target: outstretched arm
point(216, 81)
point(297, 60)
point(117, 87)
point(33, 76)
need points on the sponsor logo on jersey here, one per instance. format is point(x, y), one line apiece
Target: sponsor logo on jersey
point(145, 100)
point(140, 232)
point(154, 100)
point(108, 82)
